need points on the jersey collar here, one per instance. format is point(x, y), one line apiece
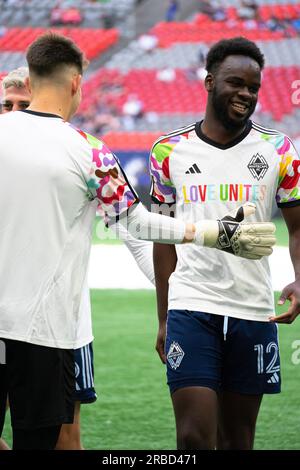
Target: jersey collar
point(230, 144)
point(38, 113)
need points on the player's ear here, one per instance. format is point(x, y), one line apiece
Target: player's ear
point(209, 82)
point(76, 83)
point(28, 84)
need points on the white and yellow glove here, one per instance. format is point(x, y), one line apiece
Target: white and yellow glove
point(247, 240)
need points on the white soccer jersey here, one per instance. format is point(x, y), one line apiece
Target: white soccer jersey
point(206, 181)
point(52, 178)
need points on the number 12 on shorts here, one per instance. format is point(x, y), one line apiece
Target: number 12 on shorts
point(272, 350)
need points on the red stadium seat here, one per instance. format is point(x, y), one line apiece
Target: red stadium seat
point(91, 41)
point(184, 96)
point(130, 141)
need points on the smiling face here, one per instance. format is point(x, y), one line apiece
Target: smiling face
point(234, 90)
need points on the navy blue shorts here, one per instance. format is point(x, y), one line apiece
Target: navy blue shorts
point(199, 353)
point(84, 375)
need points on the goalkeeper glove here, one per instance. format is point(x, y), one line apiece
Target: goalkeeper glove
point(249, 240)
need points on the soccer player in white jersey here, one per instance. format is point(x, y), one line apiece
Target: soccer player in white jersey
point(16, 97)
point(217, 331)
point(52, 179)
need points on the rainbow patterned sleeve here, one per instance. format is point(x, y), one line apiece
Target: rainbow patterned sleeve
point(107, 181)
point(162, 188)
point(288, 188)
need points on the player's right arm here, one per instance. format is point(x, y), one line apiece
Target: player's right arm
point(164, 260)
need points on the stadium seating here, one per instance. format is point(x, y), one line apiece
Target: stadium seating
point(130, 140)
point(187, 96)
point(91, 41)
point(134, 71)
point(38, 13)
point(185, 55)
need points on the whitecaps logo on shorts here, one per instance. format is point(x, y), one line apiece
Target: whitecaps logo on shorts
point(77, 370)
point(175, 355)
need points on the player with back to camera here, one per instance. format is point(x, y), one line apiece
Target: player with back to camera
point(16, 97)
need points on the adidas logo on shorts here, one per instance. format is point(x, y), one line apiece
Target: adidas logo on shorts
point(274, 379)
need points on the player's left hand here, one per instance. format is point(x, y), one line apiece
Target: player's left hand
point(292, 293)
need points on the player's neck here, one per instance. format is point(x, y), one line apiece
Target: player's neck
point(215, 130)
point(51, 103)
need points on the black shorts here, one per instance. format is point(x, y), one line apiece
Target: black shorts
point(40, 382)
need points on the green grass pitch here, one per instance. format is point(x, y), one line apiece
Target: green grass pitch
point(133, 410)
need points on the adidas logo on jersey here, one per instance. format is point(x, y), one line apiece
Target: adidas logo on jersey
point(193, 169)
point(274, 379)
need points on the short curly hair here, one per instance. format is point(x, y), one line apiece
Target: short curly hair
point(234, 46)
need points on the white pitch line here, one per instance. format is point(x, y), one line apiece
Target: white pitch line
point(113, 267)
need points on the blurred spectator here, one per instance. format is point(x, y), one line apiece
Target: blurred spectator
point(285, 26)
point(137, 170)
point(3, 30)
point(55, 16)
point(296, 25)
point(108, 19)
point(172, 10)
point(151, 117)
point(202, 53)
point(213, 9)
point(197, 70)
point(97, 120)
point(101, 110)
point(133, 106)
point(71, 16)
point(147, 42)
point(65, 16)
point(114, 87)
point(134, 168)
point(206, 7)
point(133, 109)
point(273, 24)
point(194, 72)
point(166, 75)
point(219, 13)
point(12, 2)
point(248, 10)
point(250, 24)
point(104, 122)
point(201, 73)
